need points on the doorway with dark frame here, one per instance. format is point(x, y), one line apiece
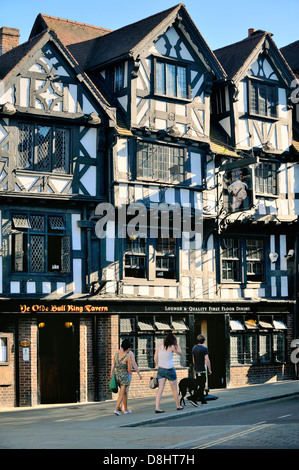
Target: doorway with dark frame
point(213, 328)
point(58, 360)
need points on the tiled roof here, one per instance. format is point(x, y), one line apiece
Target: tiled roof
point(14, 57)
point(291, 54)
point(233, 57)
point(79, 38)
point(123, 41)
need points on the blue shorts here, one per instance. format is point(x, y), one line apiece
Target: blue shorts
point(169, 374)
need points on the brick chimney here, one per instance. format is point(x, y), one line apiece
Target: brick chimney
point(250, 31)
point(9, 38)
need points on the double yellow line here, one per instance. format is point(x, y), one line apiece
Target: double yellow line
point(255, 428)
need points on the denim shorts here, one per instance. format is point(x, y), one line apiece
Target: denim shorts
point(169, 374)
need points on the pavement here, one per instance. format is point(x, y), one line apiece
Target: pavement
point(94, 425)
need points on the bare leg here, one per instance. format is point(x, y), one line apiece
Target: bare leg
point(159, 393)
point(120, 396)
point(125, 400)
point(175, 392)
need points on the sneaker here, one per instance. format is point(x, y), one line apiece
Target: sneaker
point(116, 412)
point(126, 412)
point(193, 402)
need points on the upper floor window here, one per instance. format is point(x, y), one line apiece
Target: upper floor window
point(160, 162)
point(263, 99)
point(166, 258)
point(3, 349)
point(238, 252)
point(171, 80)
point(135, 257)
point(119, 77)
point(266, 178)
point(40, 244)
point(43, 148)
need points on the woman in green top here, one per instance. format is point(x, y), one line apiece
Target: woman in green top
point(122, 369)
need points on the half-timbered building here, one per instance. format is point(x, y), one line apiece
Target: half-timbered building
point(107, 140)
point(257, 214)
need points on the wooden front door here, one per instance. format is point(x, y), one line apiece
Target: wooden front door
point(58, 360)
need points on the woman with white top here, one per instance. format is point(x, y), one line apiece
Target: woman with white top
point(164, 360)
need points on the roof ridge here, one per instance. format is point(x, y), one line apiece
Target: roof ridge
point(264, 33)
point(75, 22)
point(148, 17)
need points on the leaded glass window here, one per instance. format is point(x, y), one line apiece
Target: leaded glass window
point(263, 99)
point(171, 80)
point(43, 148)
point(266, 178)
point(160, 162)
point(40, 244)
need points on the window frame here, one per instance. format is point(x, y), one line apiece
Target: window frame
point(140, 252)
point(147, 150)
point(260, 355)
point(176, 65)
point(52, 151)
point(255, 82)
point(119, 77)
point(23, 237)
point(244, 261)
point(4, 337)
point(261, 178)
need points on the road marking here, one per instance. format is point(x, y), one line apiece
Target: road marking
point(285, 416)
point(234, 436)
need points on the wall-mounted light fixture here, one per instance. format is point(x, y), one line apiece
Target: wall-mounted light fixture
point(273, 257)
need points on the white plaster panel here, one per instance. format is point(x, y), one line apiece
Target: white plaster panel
point(61, 288)
point(30, 287)
point(110, 241)
point(87, 106)
point(89, 180)
point(198, 288)
point(72, 98)
point(77, 276)
point(24, 92)
point(273, 287)
point(46, 287)
point(170, 196)
point(159, 291)
point(15, 287)
point(186, 287)
point(196, 175)
point(172, 292)
point(76, 232)
point(284, 286)
point(122, 155)
point(89, 142)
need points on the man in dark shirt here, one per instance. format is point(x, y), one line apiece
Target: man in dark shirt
point(201, 362)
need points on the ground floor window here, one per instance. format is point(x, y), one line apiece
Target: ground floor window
point(146, 333)
point(257, 341)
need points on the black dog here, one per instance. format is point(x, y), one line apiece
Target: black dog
point(190, 385)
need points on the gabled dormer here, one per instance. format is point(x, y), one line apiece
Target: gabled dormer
point(253, 105)
point(50, 122)
point(159, 73)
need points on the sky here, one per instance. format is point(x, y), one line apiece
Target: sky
point(221, 22)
